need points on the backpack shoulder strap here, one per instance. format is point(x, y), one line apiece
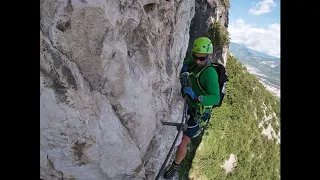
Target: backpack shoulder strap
point(198, 77)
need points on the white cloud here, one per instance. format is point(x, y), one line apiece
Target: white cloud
point(259, 39)
point(261, 7)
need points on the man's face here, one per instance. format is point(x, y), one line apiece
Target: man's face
point(200, 58)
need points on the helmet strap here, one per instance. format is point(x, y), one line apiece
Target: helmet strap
point(207, 59)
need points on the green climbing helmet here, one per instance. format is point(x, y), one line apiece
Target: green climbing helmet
point(202, 45)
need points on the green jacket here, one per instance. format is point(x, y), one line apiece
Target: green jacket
point(208, 80)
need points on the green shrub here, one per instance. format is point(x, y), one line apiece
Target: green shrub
point(218, 35)
point(226, 3)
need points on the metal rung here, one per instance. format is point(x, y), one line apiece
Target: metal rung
point(171, 123)
point(183, 127)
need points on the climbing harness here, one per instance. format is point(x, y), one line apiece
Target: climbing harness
point(200, 115)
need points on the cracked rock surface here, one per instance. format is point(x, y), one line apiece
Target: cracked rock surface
point(108, 77)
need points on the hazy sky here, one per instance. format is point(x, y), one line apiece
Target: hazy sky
point(256, 24)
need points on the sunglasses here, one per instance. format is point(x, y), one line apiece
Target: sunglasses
point(200, 58)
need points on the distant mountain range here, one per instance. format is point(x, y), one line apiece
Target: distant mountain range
point(265, 67)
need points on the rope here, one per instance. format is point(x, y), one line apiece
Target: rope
point(174, 142)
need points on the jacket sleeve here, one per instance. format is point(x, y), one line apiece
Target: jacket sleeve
point(211, 87)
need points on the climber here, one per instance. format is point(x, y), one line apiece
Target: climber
point(200, 102)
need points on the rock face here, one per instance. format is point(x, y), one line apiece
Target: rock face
point(109, 74)
point(206, 12)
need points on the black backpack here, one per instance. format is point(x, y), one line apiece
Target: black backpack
point(222, 78)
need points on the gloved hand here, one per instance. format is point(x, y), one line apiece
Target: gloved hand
point(188, 91)
point(184, 78)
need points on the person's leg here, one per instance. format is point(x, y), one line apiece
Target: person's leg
point(182, 149)
point(187, 136)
